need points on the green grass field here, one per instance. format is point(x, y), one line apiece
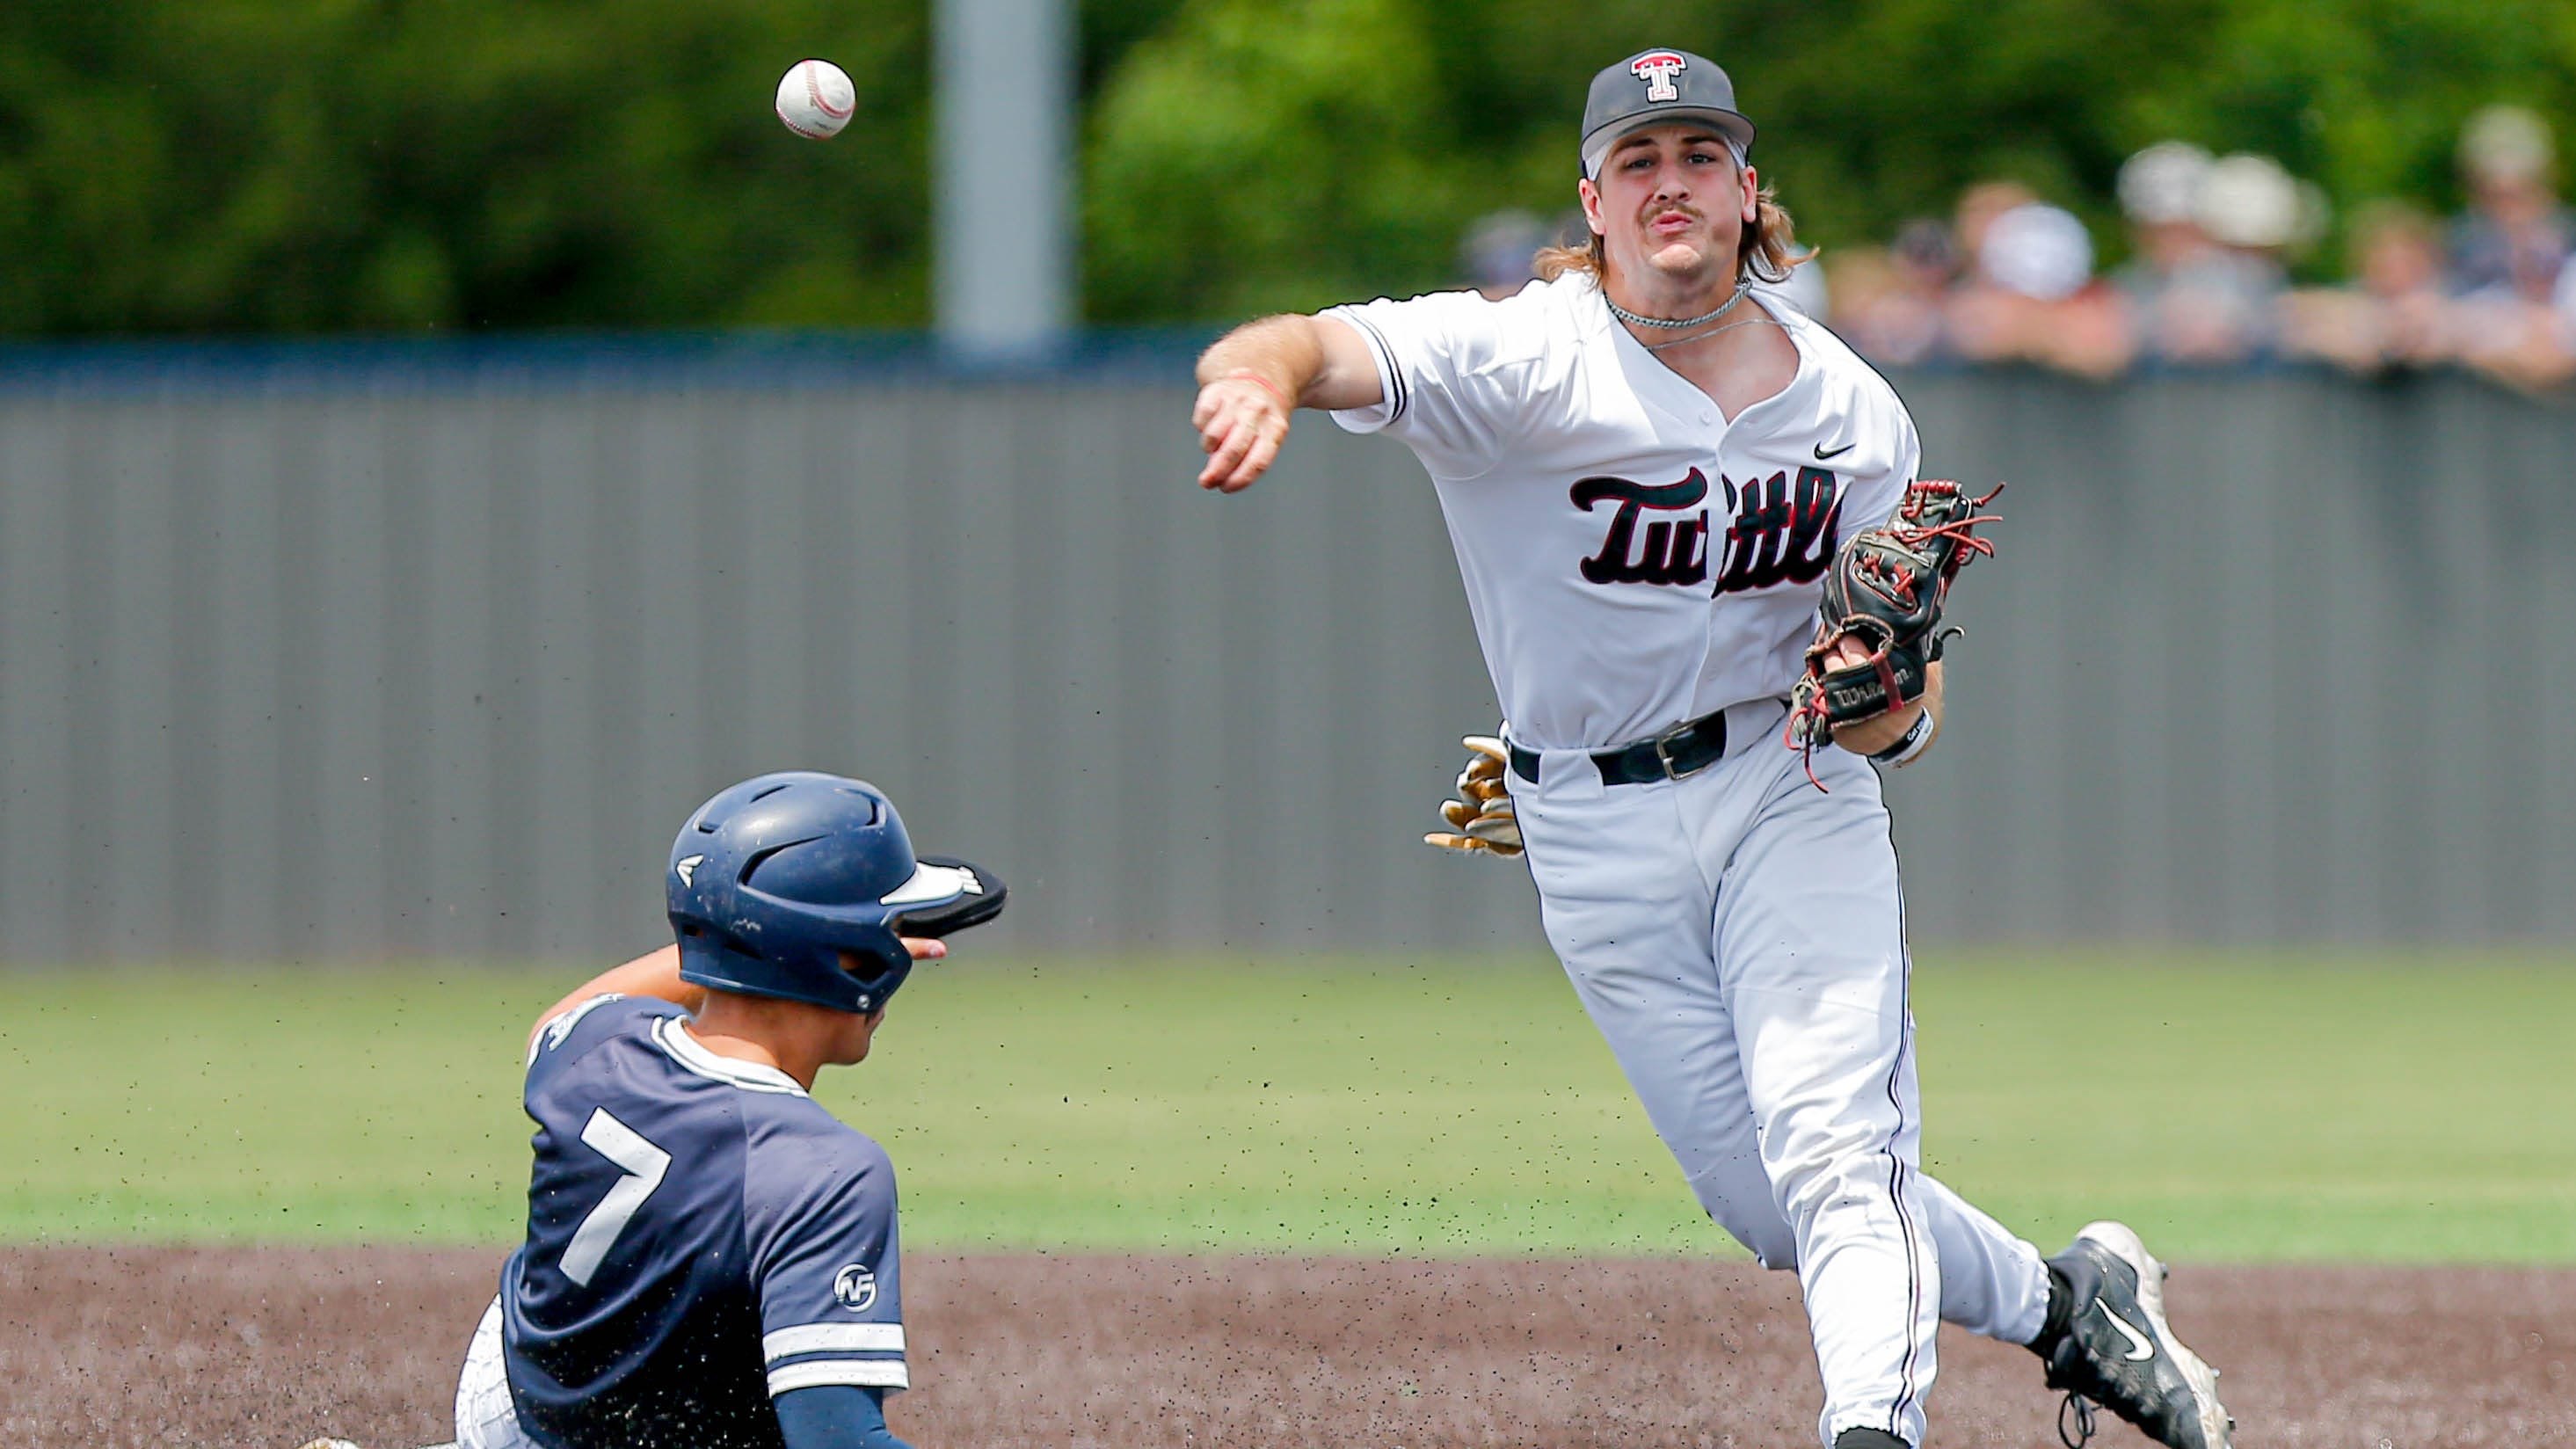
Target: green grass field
point(2234, 1108)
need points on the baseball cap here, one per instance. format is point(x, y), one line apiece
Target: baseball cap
point(2507, 143)
point(2160, 185)
point(2249, 201)
point(1652, 88)
point(2037, 250)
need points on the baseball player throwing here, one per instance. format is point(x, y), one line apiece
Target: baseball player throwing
point(711, 1257)
point(1647, 468)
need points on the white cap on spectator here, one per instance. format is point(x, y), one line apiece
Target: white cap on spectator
point(2507, 143)
point(2038, 250)
point(2249, 201)
point(2160, 184)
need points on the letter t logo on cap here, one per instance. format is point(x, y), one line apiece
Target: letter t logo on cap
point(1657, 71)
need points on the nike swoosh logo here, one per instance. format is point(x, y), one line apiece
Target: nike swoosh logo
point(1823, 456)
point(2141, 1348)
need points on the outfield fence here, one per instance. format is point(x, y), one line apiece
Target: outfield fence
point(324, 654)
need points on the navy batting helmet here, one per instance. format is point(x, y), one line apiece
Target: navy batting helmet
point(772, 880)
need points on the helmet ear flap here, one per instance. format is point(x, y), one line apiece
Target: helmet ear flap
point(876, 967)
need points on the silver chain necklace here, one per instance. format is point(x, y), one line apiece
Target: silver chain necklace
point(1670, 324)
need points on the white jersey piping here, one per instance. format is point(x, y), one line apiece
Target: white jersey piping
point(672, 1036)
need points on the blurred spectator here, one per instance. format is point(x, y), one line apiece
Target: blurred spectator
point(1984, 319)
point(2396, 315)
point(2566, 309)
point(1866, 291)
point(1498, 251)
point(1889, 303)
point(2031, 295)
point(2514, 239)
point(1978, 207)
point(2519, 343)
point(2256, 211)
point(2205, 282)
point(2038, 251)
point(2510, 250)
point(2159, 191)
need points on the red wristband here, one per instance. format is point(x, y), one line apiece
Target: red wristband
point(1248, 375)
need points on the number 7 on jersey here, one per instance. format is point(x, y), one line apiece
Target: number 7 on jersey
point(643, 1165)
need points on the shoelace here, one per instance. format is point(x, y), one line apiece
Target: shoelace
point(2082, 1409)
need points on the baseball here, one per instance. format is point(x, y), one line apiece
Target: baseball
point(815, 99)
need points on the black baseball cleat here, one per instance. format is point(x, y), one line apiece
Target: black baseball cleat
point(2116, 1349)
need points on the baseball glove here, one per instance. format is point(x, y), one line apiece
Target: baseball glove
point(1480, 819)
point(1885, 592)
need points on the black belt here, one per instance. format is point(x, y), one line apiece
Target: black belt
point(1677, 753)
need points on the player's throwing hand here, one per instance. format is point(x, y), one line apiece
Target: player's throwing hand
point(1242, 418)
point(1251, 379)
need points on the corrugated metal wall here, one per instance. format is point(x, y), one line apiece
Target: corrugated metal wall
point(345, 670)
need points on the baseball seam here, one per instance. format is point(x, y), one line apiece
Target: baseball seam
point(814, 93)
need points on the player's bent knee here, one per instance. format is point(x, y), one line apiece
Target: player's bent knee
point(1860, 1183)
point(1768, 1239)
point(1777, 1258)
point(1752, 1220)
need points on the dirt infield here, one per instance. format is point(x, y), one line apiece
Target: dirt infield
point(268, 1347)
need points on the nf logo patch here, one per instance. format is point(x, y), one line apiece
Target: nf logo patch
point(856, 1288)
point(688, 869)
point(1657, 71)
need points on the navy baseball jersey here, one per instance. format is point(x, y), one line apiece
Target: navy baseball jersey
point(701, 1238)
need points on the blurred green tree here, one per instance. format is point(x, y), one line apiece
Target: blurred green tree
point(306, 165)
point(301, 166)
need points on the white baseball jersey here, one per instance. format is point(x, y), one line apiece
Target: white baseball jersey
point(1633, 558)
